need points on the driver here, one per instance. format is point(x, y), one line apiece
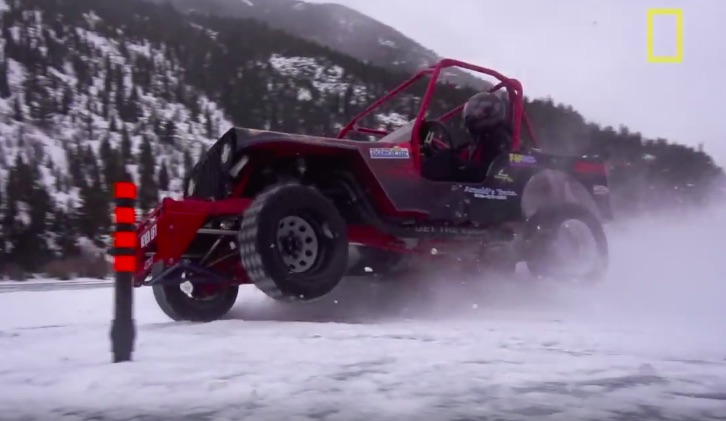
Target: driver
point(485, 118)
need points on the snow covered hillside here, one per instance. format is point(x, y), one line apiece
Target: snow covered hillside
point(336, 26)
point(93, 95)
point(91, 81)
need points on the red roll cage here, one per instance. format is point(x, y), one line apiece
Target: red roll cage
point(513, 87)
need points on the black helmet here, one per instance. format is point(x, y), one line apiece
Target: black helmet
point(484, 111)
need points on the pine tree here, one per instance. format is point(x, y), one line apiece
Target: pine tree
point(169, 132)
point(20, 180)
point(163, 177)
point(194, 109)
point(66, 101)
point(110, 162)
point(64, 226)
point(86, 212)
point(38, 98)
point(126, 152)
point(40, 215)
point(5, 91)
point(131, 108)
point(94, 211)
point(88, 119)
point(2, 231)
point(75, 167)
point(209, 125)
point(45, 112)
point(18, 110)
point(25, 239)
point(181, 94)
point(188, 161)
point(104, 150)
point(155, 124)
point(11, 227)
point(108, 74)
point(105, 104)
point(148, 188)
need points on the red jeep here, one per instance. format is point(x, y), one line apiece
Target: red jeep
point(283, 211)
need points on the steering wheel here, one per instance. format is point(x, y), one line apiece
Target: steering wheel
point(435, 137)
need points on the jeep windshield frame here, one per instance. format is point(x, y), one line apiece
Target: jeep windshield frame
point(409, 132)
point(400, 135)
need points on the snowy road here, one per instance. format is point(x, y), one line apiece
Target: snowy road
point(7, 286)
point(648, 344)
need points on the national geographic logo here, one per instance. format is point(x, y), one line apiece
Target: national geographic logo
point(678, 57)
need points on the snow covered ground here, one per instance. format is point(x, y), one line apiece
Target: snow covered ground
point(648, 344)
point(41, 284)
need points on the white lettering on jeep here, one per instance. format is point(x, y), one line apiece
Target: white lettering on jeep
point(148, 236)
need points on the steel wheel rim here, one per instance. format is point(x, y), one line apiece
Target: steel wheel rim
point(297, 243)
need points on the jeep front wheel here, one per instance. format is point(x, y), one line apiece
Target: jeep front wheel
point(194, 303)
point(293, 243)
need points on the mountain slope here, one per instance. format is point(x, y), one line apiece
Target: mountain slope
point(336, 26)
point(93, 92)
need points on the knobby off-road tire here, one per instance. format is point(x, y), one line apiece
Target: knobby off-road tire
point(293, 243)
point(179, 306)
point(541, 234)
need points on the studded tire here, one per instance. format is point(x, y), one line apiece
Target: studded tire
point(179, 306)
point(269, 237)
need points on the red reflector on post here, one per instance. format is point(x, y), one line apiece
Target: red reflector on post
point(124, 240)
point(124, 263)
point(125, 215)
point(124, 190)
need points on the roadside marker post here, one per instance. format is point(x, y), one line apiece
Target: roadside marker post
point(123, 329)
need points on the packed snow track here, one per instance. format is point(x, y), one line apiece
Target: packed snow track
point(649, 344)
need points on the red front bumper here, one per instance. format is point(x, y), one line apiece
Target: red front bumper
point(165, 234)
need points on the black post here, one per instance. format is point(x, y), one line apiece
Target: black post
point(123, 329)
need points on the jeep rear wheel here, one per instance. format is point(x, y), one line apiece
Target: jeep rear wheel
point(293, 243)
point(187, 302)
point(566, 243)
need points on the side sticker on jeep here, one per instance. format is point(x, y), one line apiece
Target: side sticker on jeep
point(521, 160)
point(148, 236)
point(149, 262)
point(431, 229)
point(489, 193)
point(389, 153)
point(503, 177)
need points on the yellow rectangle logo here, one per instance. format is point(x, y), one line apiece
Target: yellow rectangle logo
point(678, 58)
